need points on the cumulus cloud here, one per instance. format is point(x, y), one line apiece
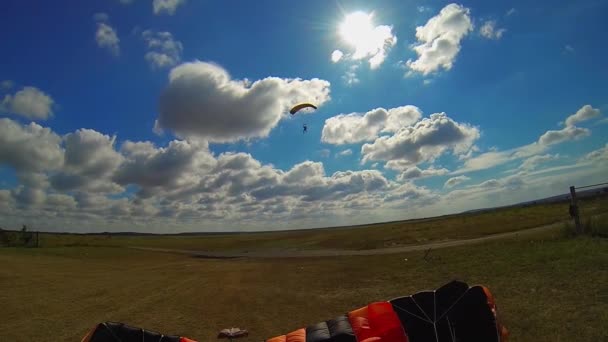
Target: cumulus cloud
point(29, 102)
point(424, 141)
point(583, 114)
point(454, 181)
point(357, 127)
point(439, 39)
point(166, 6)
point(29, 148)
point(552, 137)
point(154, 169)
point(163, 50)
point(106, 36)
point(366, 40)
point(336, 56)
point(414, 172)
point(203, 101)
point(490, 31)
point(89, 161)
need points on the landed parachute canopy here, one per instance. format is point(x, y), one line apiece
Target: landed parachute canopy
point(119, 332)
point(301, 106)
point(454, 312)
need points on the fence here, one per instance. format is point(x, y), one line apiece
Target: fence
point(22, 238)
point(575, 211)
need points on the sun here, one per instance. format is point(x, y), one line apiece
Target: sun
point(356, 28)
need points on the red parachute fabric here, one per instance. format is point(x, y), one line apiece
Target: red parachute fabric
point(377, 322)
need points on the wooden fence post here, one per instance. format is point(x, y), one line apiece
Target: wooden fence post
point(574, 205)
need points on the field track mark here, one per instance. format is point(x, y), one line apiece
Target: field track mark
point(330, 252)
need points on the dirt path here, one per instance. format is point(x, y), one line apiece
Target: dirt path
point(342, 252)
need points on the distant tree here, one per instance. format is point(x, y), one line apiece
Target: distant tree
point(26, 237)
point(4, 239)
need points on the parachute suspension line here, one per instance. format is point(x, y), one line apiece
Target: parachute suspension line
point(413, 314)
point(435, 315)
point(425, 315)
point(452, 332)
point(451, 306)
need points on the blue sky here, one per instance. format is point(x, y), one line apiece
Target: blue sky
point(172, 115)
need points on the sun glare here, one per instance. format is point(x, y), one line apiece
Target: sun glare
point(356, 28)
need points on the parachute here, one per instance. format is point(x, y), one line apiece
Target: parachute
point(120, 332)
point(301, 106)
point(453, 312)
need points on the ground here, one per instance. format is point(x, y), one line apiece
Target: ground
point(549, 286)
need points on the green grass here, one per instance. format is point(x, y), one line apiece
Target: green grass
point(367, 237)
point(548, 288)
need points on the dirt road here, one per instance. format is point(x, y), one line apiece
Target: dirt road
point(342, 252)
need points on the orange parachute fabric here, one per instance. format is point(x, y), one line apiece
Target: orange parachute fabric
point(301, 106)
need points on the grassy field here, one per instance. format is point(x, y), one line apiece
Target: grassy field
point(548, 288)
point(392, 234)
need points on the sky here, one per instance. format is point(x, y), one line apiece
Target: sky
point(169, 116)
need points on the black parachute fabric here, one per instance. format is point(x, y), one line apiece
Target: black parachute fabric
point(454, 312)
point(119, 332)
point(334, 330)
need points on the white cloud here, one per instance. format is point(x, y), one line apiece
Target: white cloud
point(414, 172)
point(368, 42)
point(511, 11)
point(166, 6)
point(534, 161)
point(29, 148)
point(90, 160)
point(29, 102)
point(569, 48)
point(6, 84)
point(203, 101)
point(454, 181)
point(357, 127)
point(490, 31)
point(106, 35)
point(583, 114)
point(599, 155)
point(344, 153)
point(126, 2)
point(424, 141)
point(552, 137)
point(570, 132)
point(439, 39)
point(336, 56)
point(163, 50)
point(350, 76)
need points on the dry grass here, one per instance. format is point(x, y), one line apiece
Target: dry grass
point(548, 289)
point(366, 237)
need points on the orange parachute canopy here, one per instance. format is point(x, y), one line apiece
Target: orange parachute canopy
point(301, 106)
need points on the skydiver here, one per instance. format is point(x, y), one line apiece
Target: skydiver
point(304, 128)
